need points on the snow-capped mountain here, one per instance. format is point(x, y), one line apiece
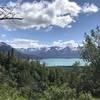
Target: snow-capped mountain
point(52, 52)
point(44, 52)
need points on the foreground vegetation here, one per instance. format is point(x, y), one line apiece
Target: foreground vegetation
point(22, 79)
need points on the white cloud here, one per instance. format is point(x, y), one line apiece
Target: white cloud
point(66, 7)
point(44, 14)
point(25, 43)
point(90, 8)
point(28, 43)
point(70, 43)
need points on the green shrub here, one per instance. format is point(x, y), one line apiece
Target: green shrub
point(63, 92)
point(9, 93)
point(85, 96)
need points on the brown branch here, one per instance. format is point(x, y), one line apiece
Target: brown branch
point(8, 14)
point(10, 18)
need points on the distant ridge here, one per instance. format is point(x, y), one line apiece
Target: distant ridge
point(52, 52)
point(43, 52)
point(6, 48)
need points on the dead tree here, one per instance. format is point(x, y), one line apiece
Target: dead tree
point(7, 13)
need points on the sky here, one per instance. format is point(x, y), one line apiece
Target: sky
point(49, 22)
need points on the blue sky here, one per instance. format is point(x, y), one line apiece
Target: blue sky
point(58, 26)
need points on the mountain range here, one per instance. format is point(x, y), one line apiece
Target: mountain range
point(44, 52)
point(52, 52)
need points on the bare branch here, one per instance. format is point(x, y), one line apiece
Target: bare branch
point(5, 18)
point(7, 13)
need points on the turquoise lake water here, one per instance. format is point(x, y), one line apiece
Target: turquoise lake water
point(61, 62)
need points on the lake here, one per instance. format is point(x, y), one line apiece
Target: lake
point(61, 61)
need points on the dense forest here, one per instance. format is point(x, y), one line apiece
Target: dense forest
point(22, 79)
